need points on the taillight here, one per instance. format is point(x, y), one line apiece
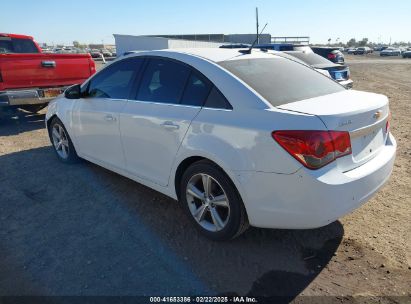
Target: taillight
point(314, 149)
point(332, 56)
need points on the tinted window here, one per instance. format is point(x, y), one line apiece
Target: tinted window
point(163, 81)
point(280, 80)
point(310, 58)
point(197, 90)
point(15, 45)
point(217, 100)
point(115, 81)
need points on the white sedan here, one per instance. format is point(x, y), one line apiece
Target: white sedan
point(238, 138)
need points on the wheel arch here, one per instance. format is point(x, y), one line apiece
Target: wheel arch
point(49, 120)
point(185, 163)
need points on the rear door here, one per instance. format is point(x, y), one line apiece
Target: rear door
point(96, 117)
point(169, 96)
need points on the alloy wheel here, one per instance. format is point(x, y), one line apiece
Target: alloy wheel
point(60, 141)
point(208, 202)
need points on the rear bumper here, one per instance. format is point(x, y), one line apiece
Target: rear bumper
point(27, 96)
point(311, 199)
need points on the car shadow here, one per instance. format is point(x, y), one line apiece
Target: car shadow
point(82, 230)
point(18, 121)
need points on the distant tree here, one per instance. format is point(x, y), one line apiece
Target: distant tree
point(329, 41)
point(351, 42)
point(76, 44)
point(363, 42)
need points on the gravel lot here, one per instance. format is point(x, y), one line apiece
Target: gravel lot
point(82, 230)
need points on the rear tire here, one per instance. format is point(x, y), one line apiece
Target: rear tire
point(218, 213)
point(61, 141)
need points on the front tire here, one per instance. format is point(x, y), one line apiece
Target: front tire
point(61, 141)
point(212, 202)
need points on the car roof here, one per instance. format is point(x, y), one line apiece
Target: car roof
point(211, 54)
point(17, 36)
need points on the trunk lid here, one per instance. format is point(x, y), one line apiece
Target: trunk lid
point(364, 115)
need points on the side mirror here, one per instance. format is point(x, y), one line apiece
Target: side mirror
point(73, 92)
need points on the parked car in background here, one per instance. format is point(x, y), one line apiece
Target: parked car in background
point(390, 52)
point(106, 53)
point(94, 53)
point(29, 79)
point(407, 53)
point(338, 72)
point(331, 53)
point(46, 50)
point(380, 48)
point(57, 50)
point(238, 138)
point(363, 50)
point(351, 51)
point(282, 47)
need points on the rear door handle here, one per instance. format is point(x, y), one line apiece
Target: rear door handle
point(48, 64)
point(170, 125)
point(109, 118)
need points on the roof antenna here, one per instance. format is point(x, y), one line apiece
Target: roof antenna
point(254, 43)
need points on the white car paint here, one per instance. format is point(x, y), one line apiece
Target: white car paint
point(132, 138)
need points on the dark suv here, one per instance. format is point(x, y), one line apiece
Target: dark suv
point(331, 53)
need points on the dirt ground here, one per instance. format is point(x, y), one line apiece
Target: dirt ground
point(82, 230)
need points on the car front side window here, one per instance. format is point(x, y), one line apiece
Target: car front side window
point(115, 81)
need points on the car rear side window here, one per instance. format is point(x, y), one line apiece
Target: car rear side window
point(163, 81)
point(280, 80)
point(197, 90)
point(216, 100)
point(116, 80)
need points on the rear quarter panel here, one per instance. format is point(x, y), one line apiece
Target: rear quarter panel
point(242, 141)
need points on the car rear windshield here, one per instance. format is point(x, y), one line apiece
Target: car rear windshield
point(281, 81)
point(310, 58)
point(17, 45)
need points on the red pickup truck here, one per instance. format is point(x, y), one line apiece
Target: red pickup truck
point(29, 79)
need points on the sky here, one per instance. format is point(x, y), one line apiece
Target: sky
point(92, 21)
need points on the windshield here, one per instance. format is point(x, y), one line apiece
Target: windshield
point(16, 45)
point(281, 81)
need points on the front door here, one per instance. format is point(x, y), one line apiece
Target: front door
point(96, 116)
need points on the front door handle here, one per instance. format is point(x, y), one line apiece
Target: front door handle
point(170, 125)
point(109, 118)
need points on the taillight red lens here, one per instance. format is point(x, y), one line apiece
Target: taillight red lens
point(314, 149)
point(332, 56)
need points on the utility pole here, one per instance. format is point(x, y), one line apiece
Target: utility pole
point(258, 26)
